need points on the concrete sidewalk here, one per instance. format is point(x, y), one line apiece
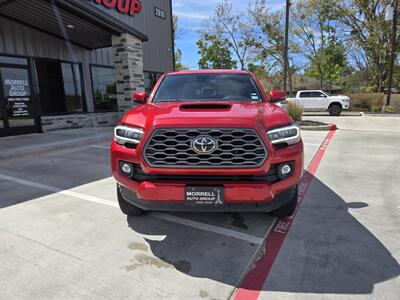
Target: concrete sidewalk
point(29, 144)
point(326, 114)
point(384, 124)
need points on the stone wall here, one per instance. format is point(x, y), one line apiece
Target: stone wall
point(51, 123)
point(128, 60)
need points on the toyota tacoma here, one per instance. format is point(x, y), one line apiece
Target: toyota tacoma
point(209, 141)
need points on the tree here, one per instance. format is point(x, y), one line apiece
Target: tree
point(178, 33)
point(214, 53)
point(178, 60)
point(268, 39)
point(315, 30)
point(230, 28)
point(369, 34)
point(332, 65)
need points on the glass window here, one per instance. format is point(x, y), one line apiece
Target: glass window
point(306, 95)
point(13, 60)
point(60, 87)
point(17, 92)
point(72, 87)
point(1, 120)
point(150, 79)
point(222, 87)
point(104, 89)
point(15, 82)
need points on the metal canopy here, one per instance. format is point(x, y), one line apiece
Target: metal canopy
point(76, 21)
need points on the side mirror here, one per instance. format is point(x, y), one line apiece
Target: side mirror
point(139, 97)
point(277, 95)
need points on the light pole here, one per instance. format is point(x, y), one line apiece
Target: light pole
point(393, 15)
point(286, 51)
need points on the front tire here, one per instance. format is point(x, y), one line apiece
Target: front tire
point(335, 110)
point(288, 209)
point(127, 208)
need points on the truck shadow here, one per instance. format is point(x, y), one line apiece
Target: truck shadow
point(327, 250)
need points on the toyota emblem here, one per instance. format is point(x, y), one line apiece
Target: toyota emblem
point(204, 145)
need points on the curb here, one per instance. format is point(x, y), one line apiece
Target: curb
point(69, 144)
point(381, 115)
point(343, 114)
point(328, 127)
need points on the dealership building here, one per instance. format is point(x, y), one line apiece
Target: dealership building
point(75, 63)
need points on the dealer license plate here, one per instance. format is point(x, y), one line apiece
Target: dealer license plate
point(204, 196)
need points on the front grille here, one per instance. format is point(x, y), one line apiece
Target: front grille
point(237, 148)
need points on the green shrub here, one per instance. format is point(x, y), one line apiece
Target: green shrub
point(364, 101)
point(376, 109)
point(389, 109)
point(295, 111)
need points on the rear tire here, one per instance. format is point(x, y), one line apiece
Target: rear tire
point(335, 110)
point(127, 208)
point(288, 209)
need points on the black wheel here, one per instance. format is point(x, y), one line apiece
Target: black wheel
point(288, 209)
point(126, 207)
point(335, 110)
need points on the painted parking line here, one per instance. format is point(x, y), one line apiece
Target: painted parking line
point(251, 286)
point(198, 225)
point(59, 191)
point(312, 144)
point(99, 147)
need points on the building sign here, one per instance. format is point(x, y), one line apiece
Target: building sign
point(125, 7)
point(159, 12)
point(16, 88)
point(19, 107)
point(17, 91)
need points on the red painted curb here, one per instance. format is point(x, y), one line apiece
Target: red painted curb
point(254, 281)
point(333, 127)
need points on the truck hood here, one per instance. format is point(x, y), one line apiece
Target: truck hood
point(339, 97)
point(207, 114)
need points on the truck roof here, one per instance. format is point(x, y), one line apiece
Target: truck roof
point(209, 71)
point(311, 91)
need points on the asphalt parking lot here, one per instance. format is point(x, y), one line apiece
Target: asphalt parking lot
point(63, 236)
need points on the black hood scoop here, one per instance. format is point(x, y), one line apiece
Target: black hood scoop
point(205, 106)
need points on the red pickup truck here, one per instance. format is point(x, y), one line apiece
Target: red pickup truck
point(209, 141)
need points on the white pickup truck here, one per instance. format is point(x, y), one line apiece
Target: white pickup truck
point(314, 100)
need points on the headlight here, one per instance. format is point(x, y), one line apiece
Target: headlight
point(285, 135)
point(125, 134)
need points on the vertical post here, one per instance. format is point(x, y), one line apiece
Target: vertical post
point(394, 51)
point(286, 51)
point(128, 60)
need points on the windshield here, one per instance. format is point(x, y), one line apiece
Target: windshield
point(207, 87)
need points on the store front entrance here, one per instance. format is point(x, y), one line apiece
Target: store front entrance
point(17, 107)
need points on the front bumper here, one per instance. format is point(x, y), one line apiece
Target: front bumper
point(244, 195)
point(278, 201)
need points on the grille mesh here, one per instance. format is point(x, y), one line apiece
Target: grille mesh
point(237, 148)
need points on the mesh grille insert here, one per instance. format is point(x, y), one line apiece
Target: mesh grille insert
point(237, 148)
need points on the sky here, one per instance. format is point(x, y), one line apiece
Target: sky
point(191, 13)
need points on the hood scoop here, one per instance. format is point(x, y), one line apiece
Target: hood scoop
point(205, 106)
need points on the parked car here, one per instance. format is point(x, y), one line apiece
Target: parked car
point(210, 141)
point(321, 101)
